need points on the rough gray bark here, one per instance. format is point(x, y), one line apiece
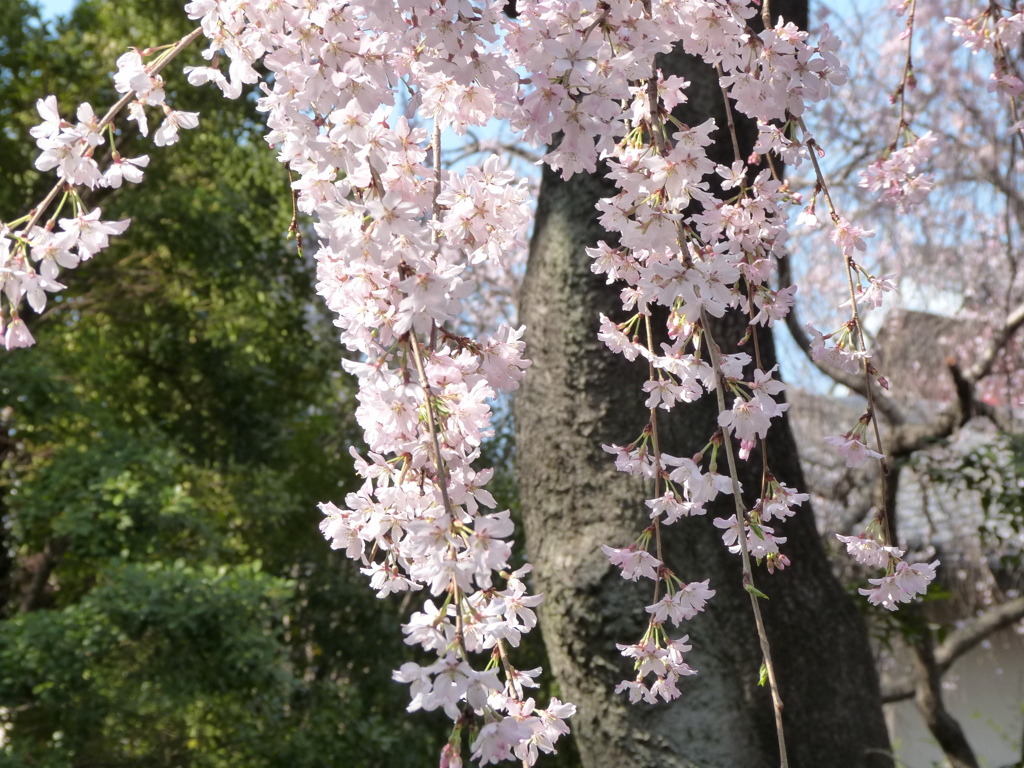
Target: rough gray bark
point(577, 396)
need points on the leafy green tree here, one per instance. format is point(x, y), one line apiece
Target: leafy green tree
point(166, 597)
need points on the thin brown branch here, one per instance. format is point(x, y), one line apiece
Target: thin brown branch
point(45, 564)
point(973, 633)
point(741, 539)
point(928, 696)
point(1002, 335)
point(959, 643)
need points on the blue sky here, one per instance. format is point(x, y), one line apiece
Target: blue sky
point(53, 8)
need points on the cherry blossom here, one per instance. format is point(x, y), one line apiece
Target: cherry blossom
point(852, 449)
point(897, 178)
point(683, 604)
point(124, 168)
point(167, 133)
point(17, 335)
point(870, 552)
point(901, 586)
point(633, 562)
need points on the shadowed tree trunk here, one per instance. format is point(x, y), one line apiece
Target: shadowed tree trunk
point(579, 395)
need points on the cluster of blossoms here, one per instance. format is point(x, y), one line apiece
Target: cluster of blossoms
point(843, 348)
point(79, 239)
point(902, 581)
point(998, 32)
point(31, 256)
point(898, 179)
point(397, 233)
point(697, 266)
point(398, 237)
point(989, 30)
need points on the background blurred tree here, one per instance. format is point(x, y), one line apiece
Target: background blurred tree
point(166, 597)
point(950, 344)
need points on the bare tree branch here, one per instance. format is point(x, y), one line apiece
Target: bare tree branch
point(999, 339)
point(970, 635)
point(960, 642)
point(908, 438)
point(1015, 319)
point(928, 695)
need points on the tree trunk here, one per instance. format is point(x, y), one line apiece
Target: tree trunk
point(943, 726)
point(578, 395)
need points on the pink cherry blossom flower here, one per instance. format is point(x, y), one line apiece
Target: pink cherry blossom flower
point(885, 593)
point(746, 420)
point(496, 739)
point(132, 75)
point(839, 357)
point(852, 449)
point(91, 234)
point(914, 579)
point(870, 552)
point(167, 133)
point(17, 335)
point(633, 561)
point(781, 502)
point(636, 691)
point(66, 153)
point(137, 114)
point(849, 237)
point(670, 506)
point(52, 124)
point(683, 604)
point(125, 168)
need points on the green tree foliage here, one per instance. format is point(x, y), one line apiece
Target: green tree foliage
point(166, 597)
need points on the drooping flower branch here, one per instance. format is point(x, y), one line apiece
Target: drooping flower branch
point(32, 256)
